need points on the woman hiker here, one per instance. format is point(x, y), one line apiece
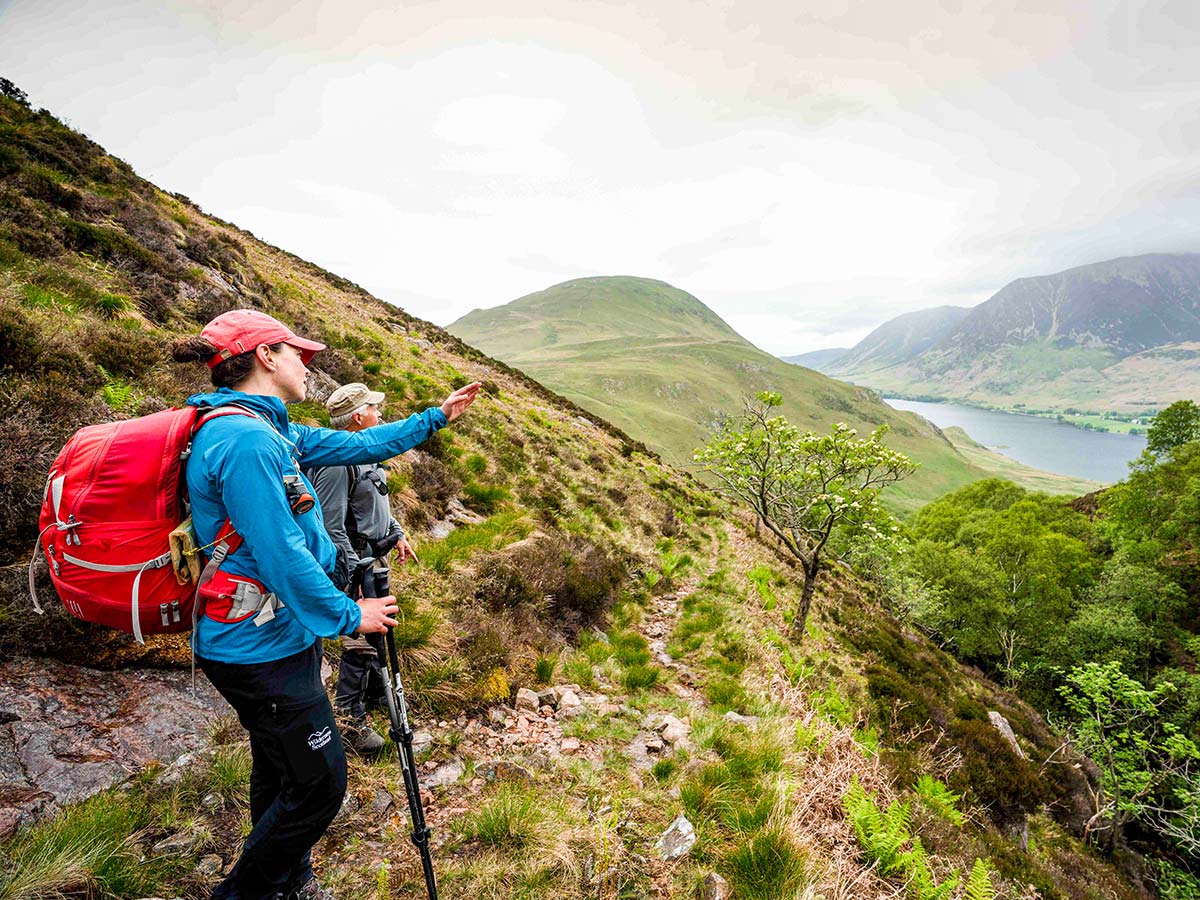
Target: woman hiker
point(258, 636)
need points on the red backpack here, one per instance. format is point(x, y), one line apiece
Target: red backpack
point(114, 494)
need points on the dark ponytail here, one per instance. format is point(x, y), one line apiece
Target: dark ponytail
point(229, 373)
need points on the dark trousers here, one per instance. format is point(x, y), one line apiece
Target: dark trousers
point(298, 772)
point(361, 670)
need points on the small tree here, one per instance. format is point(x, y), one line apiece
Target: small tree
point(1146, 765)
point(804, 487)
point(1178, 424)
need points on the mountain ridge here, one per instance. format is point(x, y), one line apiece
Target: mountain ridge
point(1115, 335)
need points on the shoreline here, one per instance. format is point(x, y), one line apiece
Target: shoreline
point(1084, 421)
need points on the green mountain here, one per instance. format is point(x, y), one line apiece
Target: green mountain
point(660, 364)
point(1116, 336)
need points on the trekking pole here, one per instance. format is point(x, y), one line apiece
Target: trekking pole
point(401, 734)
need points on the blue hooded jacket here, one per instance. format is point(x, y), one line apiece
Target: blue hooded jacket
point(236, 470)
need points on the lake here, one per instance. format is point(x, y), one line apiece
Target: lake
point(1042, 443)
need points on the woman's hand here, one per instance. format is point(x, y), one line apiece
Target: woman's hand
point(377, 613)
point(456, 404)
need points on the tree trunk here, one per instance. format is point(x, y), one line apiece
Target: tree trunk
point(806, 594)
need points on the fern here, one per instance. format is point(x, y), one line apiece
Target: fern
point(117, 393)
point(940, 799)
point(881, 834)
point(922, 883)
point(979, 885)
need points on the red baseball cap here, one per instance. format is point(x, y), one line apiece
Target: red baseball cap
point(242, 330)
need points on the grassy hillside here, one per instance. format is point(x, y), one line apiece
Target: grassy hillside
point(591, 567)
point(662, 366)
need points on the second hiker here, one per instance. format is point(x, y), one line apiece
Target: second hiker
point(359, 519)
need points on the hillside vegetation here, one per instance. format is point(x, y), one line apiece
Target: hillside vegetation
point(1117, 336)
point(559, 556)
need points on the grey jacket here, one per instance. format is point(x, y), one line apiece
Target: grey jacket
point(357, 514)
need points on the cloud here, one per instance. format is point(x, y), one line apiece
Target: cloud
point(807, 171)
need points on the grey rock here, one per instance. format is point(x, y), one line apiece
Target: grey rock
point(677, 840)
point(527, 699)
point(174, 844)
point(382, 802)
point(460, 515)
point(422, 741)
point(439, 531)
point(547, 698)
point(568, 700)
point(445, 774)
point(739, 719)
point(715, 887)
point(561, 689)
point(350, 805)
point(673, 730)
point(654, 745)
point(1001, 724)
point(503, 770)
point(209, 866)
point(72, 732)
point(212, 801)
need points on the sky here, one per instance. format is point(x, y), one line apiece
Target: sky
point(807, 170)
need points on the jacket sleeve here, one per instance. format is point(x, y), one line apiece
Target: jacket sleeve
point(332, 485)
point(250, 480)
point(331, 447)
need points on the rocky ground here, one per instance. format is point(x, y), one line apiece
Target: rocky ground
point(67, 732)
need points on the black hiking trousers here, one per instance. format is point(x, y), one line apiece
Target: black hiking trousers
point(298, 772)
point(361, 673)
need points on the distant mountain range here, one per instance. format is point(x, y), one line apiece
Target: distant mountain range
point(900, 339)
point(820, 360)
point(656, 361)
point(1121, 336)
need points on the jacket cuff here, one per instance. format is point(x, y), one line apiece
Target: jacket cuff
point(355, 621)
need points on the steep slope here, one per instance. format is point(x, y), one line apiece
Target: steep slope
point(670, 374)
point(900, 339)
point(1112, 336)
point(821, 360)
point(554, 550)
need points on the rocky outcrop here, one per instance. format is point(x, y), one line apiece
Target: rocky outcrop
point(68, 732)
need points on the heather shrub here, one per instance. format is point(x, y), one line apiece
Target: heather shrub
point(125, 352)
point(566, 584)
point(433, 482)
point(993, 776)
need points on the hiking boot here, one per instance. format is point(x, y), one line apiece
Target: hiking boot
point(362, 739)
point(311, 890)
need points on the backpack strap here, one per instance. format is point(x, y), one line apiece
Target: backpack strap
point(227, 539)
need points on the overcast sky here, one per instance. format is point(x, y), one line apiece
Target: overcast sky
point(807, 170)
